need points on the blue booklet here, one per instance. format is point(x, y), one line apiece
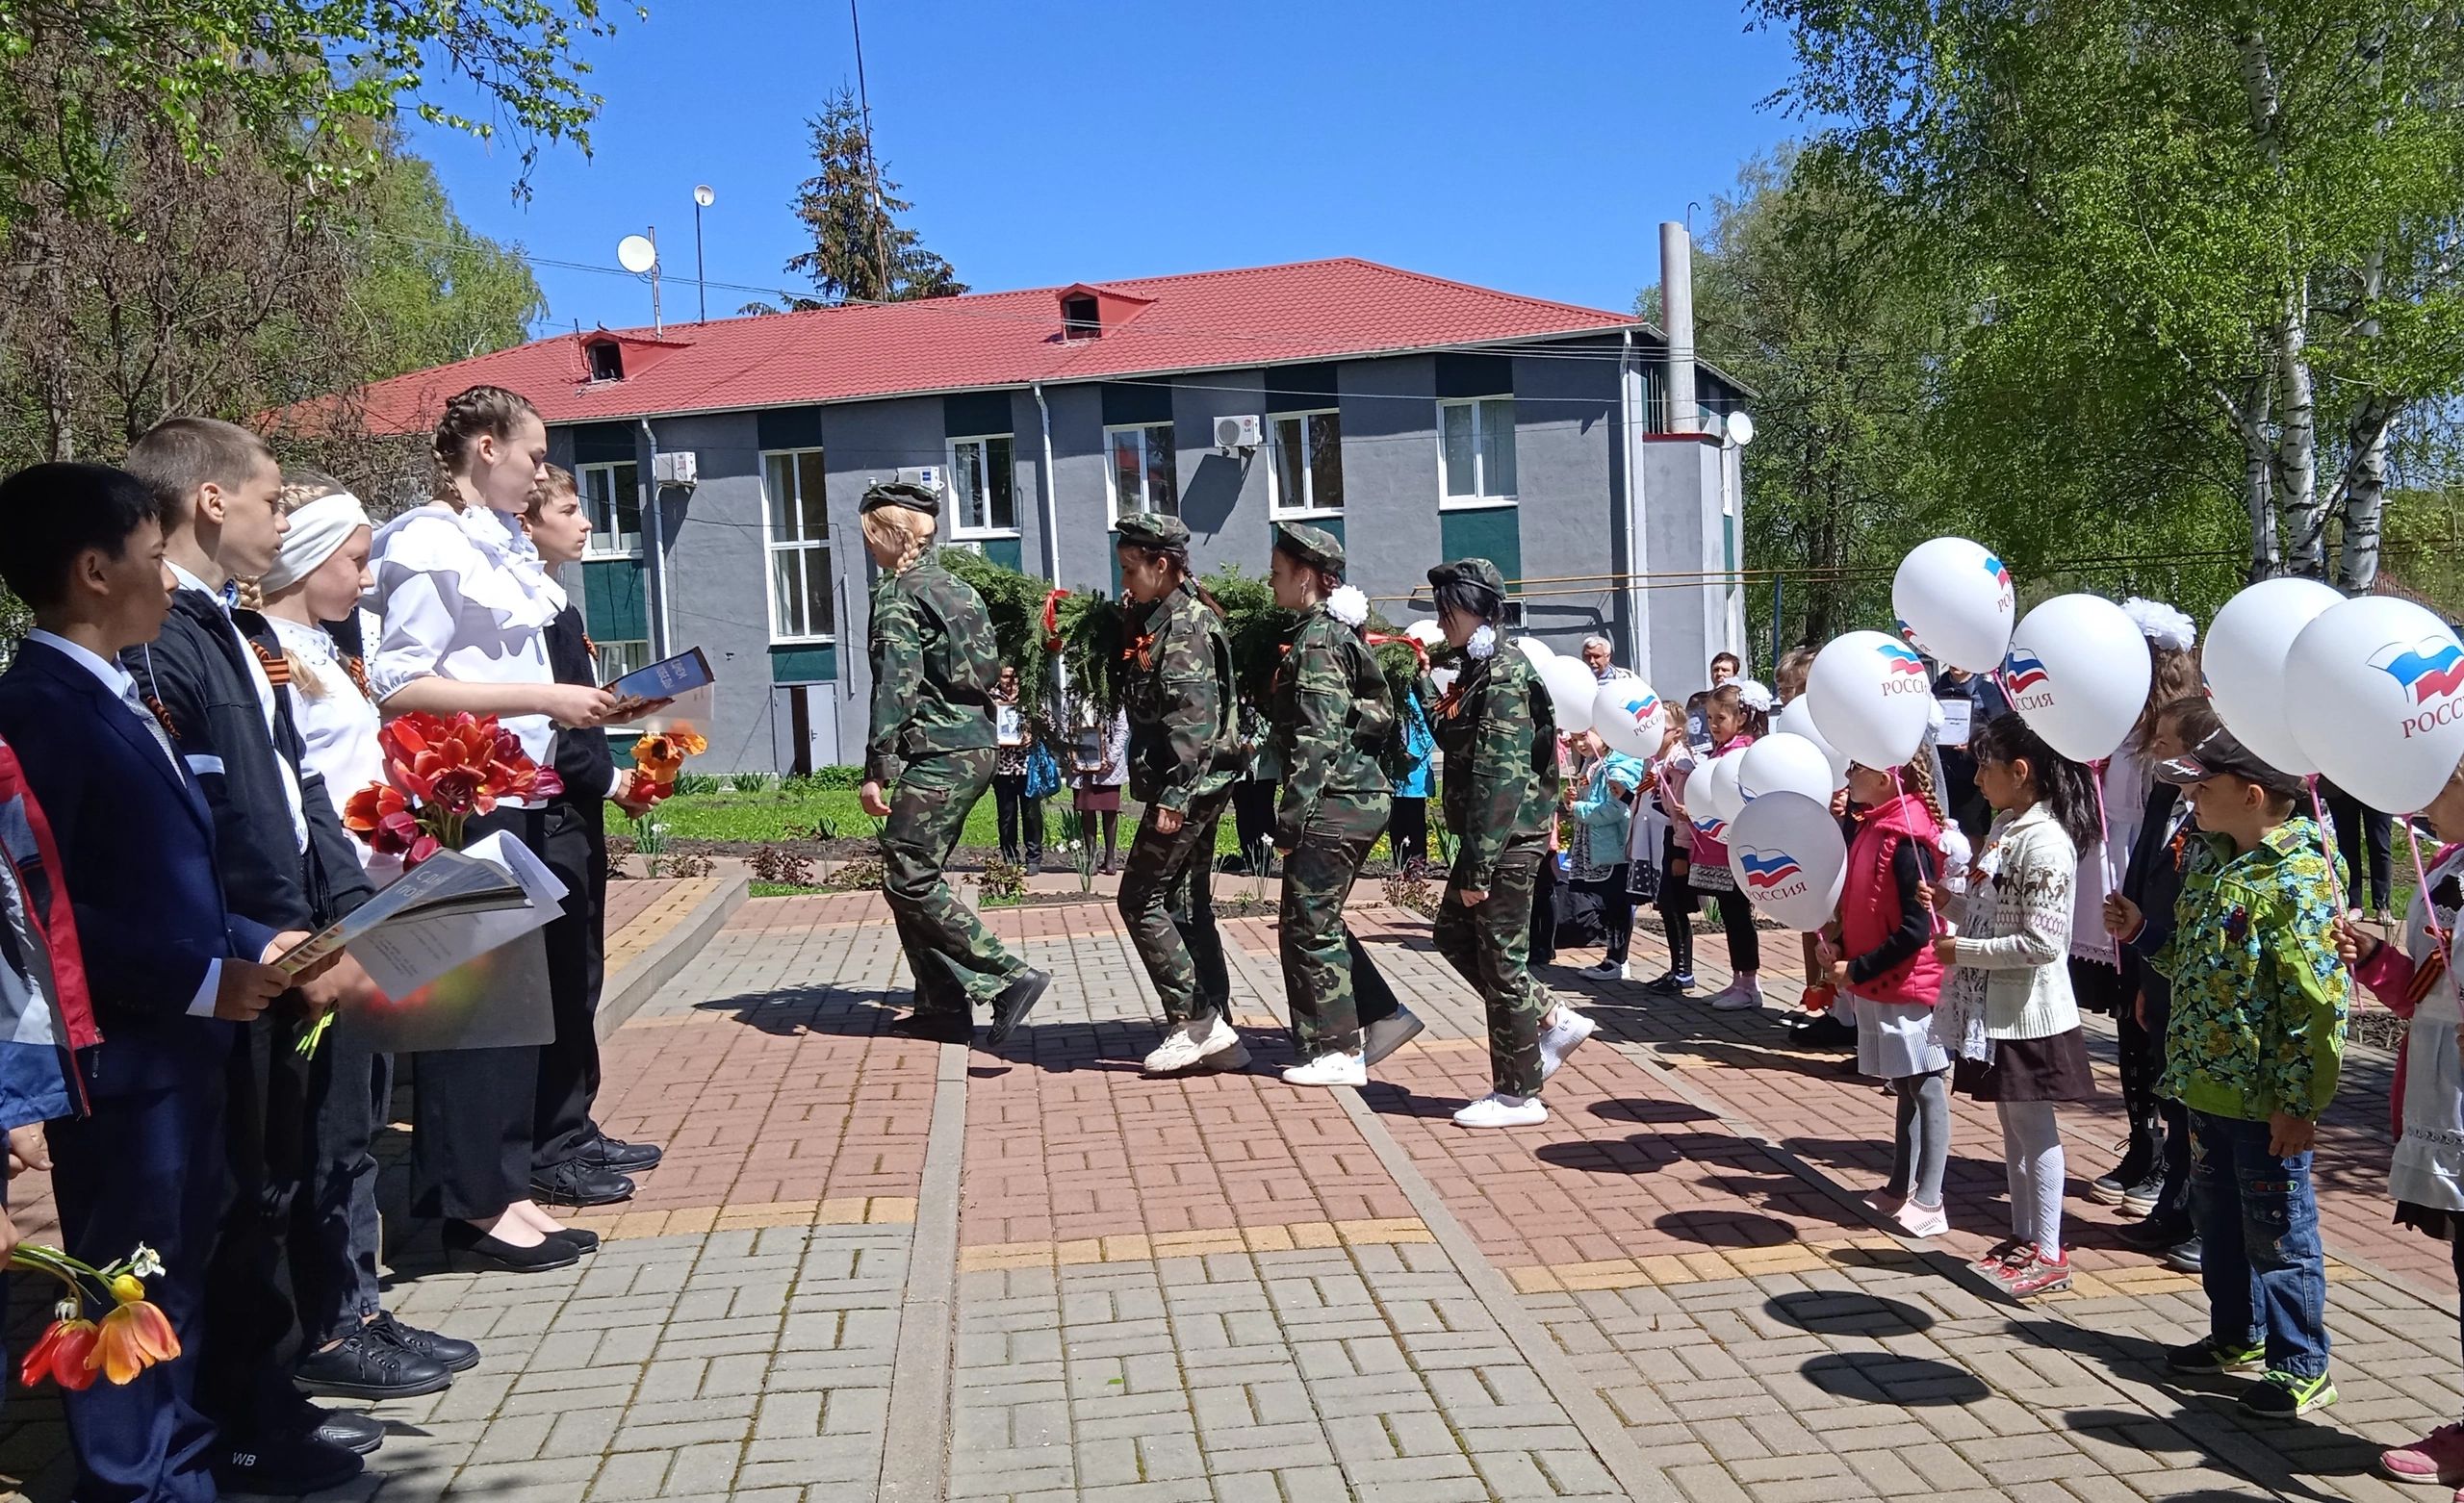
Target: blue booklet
point(664, 679)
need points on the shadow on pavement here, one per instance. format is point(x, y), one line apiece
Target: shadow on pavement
point(1829, 1312)
point(1885, 1378)
point(1726, 1228)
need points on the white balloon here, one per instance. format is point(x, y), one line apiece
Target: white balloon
point(2380, 686)
point(1955, 597)
point(1713, 789)
point(1534, 649)
point(1428, 633)
point(2243, 661)
point(1871, 698)
point(1629, 716)
point(2078, 673)
point(1782, 763)
point(1788, 858)
point(1572, 688)
point(1796, 719)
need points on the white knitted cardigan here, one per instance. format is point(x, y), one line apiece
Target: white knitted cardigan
point(2014, 937)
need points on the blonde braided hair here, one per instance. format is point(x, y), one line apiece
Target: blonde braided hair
point(910, 530)
point(1919, 773)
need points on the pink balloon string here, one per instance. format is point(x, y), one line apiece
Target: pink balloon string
point(2104, 844)
point(2438, 935)
point(2327, 842)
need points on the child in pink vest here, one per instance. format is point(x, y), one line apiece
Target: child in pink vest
point(1886, 962)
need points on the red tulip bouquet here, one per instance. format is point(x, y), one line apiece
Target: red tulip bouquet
point(439, 772)
point(72, 1351)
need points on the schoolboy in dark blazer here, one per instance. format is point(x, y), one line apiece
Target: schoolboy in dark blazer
point(172, 972)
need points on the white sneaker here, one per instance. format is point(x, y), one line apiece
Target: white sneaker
point(1495, 1111)
point(1738, 999)
point(1334, 1067)
point(1566, 1028)
point(1604, 971)
point(1923, 1220)
point(1192, 1042)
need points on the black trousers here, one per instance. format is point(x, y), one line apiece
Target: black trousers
point(1543, 911)
point(1407, 832)
point(1253, 817)
point(334, 1229)
point(1016, 809)
point(242, 1384)
point(1616, 911)
point(472, 1109)
point(576, 967)
point(2356, 827)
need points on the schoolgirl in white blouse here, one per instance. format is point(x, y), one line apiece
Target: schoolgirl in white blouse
point(465, 610)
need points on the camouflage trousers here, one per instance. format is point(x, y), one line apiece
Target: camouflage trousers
point(1167, 900)
point(956, 959)
point(1330, 983)
point(1488, 943)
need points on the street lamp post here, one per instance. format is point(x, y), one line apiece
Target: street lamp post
point(702, 199)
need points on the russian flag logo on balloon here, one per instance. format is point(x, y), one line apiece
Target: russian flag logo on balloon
point(2022, 671)
point(1897, 659)
point(1767, 868)
point(1641, 707)
point(1993, 567)
point(2430, 668)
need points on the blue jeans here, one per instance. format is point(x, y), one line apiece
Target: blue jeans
point(2258, 1222)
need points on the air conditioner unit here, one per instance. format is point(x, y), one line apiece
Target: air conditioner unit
point(679, 466)
point(929, 476)
point(1244, 432)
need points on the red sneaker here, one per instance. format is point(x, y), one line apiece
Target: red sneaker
point(2437, 1459)
point(2038, 1275)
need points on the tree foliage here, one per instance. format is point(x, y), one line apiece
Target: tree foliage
point(860, 253)
point(2223, 238)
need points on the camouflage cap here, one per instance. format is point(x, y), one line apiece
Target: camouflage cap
point(1153, 529)
point(901, 493)
point(1470, 571)
point(1312, 545)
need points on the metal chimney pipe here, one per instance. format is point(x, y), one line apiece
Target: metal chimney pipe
point(1677, 318)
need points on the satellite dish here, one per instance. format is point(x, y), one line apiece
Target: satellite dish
point(636, 254)
point(1741, 429)
point(703, 195)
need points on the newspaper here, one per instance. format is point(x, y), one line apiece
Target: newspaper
point(450, 908)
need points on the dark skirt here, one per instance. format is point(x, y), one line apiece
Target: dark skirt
point(2099, 987)
point(2055, 1068)
point(1097, 801)
point(2429, 1221)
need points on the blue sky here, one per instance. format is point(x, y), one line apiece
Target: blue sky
point(1531, 148)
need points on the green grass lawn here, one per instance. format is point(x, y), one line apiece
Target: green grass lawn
point(778, 814)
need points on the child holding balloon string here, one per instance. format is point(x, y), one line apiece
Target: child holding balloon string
point(2007, 1016)
point(1738, 715)
point(1886, 961)
point(2427, 1173)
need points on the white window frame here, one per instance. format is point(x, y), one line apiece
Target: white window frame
point(951, 490)
point(609, 669)
point(1277, 502)
point(1484, 502)
point(1112, 473)
point(772, 546)
point(601, 544)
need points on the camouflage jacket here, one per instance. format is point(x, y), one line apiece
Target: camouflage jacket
point(1330, 715)
point(1176, 684)
point(1499, 731)
point(934, 669)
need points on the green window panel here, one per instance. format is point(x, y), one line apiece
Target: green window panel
point(615, 601)
point(1492, 532)
point(816, 664)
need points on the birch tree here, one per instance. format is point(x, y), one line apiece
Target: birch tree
point(2248, 210)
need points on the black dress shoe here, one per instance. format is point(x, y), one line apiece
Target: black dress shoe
point(939, 1027)
point(284, 1467)
point(614, 1153)
point(348, 1429)
point(365, 1365)
point(449, 1352)
point(580, 1239)
point(575, 1182)
point(1016, 1002)
point(467, 1243)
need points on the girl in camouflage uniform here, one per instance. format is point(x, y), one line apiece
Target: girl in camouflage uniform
point(1499, 731)
point(1184, 754)
point(1329, 713)
point(927, 761)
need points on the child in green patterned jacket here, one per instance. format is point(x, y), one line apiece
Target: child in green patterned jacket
point(2252, 1048)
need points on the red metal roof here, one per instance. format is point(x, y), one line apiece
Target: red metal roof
point(1313, 310)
